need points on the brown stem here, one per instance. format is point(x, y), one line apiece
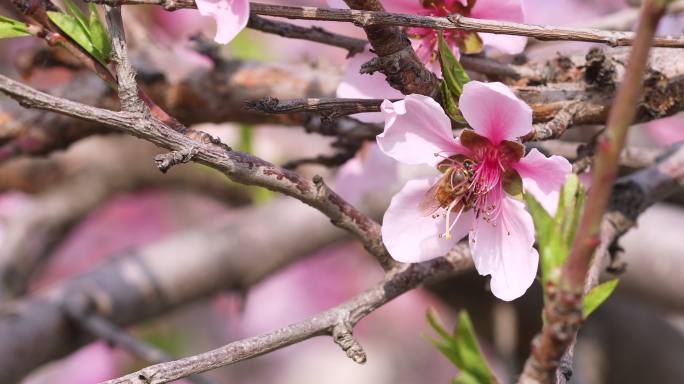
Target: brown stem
point(367, 16)
point(317, 34)
point(563, 309)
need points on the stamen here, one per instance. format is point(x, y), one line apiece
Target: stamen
point(447, 233)
point(456, 219)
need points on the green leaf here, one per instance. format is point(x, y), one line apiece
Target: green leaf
point(452, 71)
point(451, 104)
point(597, 295)
point(98, 34)
point(455, 77)
point(77, 28)
point(555, 234)
point(552, 250)
point(73, 28)
point(76, 12)
point(462, 349)
point(466, 378)
point(12, 28)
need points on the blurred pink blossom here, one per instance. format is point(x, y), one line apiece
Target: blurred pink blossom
point(369, 170)
point(667, 131)
point(231, 17)
point(425, 39)
point(482, 170)
point(91, 364)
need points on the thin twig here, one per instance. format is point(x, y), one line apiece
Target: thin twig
point(329, 107)
point(462, 23)
point(240, 167)
point(317, 34)
point(80, 310)
point(563, 310)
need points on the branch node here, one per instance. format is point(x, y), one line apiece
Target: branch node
point(267, 104)
point(206, 138)
point(371, 66)
point(167, 160)
point(342, 334)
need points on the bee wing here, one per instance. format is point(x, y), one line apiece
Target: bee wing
point(430, 203)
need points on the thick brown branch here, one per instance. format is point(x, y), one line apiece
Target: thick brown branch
point(316, 34)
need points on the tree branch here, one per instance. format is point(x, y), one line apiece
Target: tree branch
point(337, 322)
point(329, 107)
point(316, 34)
point(374, 18)
point(80, 310)
point(239, 167)
point(563, 310)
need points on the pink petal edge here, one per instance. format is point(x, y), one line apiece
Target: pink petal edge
point(417, 128)
point(504, 250)
point(494, 111)
point(543, 177)
point(412, 236)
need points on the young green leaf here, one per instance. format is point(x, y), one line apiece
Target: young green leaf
point(552, 250)
point(597, 295)
point(76, 12)
point(455, 78)
point(451, 104)
point(555, 234)
point(462, 349)
point(454, 75)
point(571, 196)
point(12, 28)
point(98, 33)
point(73, 28)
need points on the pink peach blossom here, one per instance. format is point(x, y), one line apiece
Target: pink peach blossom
point(231, 17)
point(475, 193)
point(425, 39)
point(425, 42)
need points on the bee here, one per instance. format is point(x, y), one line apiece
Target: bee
point(453, 185)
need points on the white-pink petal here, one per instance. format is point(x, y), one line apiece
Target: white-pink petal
point(231, 17)
point(417, 128)
point(411, 236)
point(504, 250)
point(509, 44)
point(494, 111)
point(507, 10)
point(543, 177)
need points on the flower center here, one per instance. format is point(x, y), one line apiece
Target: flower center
point(427, 48)
point(475, 182)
